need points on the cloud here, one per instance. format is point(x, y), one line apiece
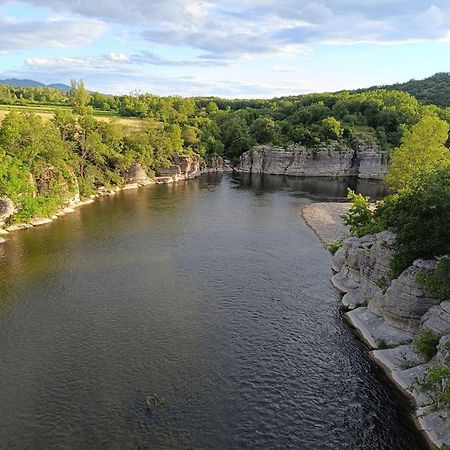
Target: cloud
point(227, 29)
point(106, 61)
point(15, 34)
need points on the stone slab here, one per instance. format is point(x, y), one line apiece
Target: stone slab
point(374, 330)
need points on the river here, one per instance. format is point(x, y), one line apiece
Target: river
point(212, 294)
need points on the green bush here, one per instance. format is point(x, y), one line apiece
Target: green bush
point(361, 218)
point(436, 384)
point(334, 247)
point(420, 218)
point(426, 344)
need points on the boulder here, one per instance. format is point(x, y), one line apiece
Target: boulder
point(404, 302)
point(437, 319)
point(136, 174)
point(40, 221)
point(6, 208)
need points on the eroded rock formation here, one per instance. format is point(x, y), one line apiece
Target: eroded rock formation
point(331, 160)
point(392, 316)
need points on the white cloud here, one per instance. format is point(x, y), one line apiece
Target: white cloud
point(20, 34)
point(231, 28)
point(117, 57)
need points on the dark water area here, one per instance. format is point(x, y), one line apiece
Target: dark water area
point(212, 294)
point(314, 188)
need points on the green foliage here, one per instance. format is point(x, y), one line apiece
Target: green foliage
point(422, 151)
point(80, 97)
point(360, 217)
point(436, 384)
point(334, 247)
point(264, 130)
point(420, 218)
point(437, 282)
point(332, 128)
point(432, 90)
point(426, 344)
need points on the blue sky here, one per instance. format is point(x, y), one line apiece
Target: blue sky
point(247, 48)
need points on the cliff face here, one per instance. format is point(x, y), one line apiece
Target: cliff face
point(362, 267)
point(332, 160)
point(392, 316)
point(188, 167)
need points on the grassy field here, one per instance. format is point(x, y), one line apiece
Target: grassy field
point(47, 113)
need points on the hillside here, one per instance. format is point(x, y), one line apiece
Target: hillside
point(15, 82)
point(431, 90)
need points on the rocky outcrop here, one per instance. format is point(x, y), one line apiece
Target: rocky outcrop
point(137, 174)
point(390, 316)
point(405, 302)
point(437, 319)
point(185, 167)
point(331, 160)
point(362, 267)
point(216, 164)
point(6, 208)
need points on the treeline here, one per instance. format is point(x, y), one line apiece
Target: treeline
point(375, 116)
point(230, 127)
point(10, 95)
point(432, 90)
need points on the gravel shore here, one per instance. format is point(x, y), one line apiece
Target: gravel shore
point(324, 218)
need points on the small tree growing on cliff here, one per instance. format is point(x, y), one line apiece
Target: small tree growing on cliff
point(360, 216)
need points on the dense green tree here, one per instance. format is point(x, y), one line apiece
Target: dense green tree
point(264, 130)
point(422, 151)
point(80, 97)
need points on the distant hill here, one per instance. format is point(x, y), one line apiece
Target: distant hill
point(431, 90)
point(15, 82)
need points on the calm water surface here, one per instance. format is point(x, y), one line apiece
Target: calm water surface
point(214, 295)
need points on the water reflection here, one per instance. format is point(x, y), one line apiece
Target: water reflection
point(319, 188)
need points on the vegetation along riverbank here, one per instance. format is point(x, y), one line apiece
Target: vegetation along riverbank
point(394, 272)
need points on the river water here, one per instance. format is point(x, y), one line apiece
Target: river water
point(212, 294)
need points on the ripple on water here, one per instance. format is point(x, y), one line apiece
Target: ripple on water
point(215, 299)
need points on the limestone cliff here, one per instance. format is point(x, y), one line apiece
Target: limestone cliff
point(331, 160)
point(185, 167)
point(395, 314)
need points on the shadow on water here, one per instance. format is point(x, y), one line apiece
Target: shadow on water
point(317, 188)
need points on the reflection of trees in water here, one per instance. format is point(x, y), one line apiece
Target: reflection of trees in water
point(320, 187)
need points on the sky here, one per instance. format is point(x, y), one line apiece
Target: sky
point(227, 48)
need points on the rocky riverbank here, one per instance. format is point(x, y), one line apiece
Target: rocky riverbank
point(183, 168)
point(334, 159)
point(390, 316)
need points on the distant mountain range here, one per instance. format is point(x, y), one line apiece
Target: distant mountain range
point(15, 82)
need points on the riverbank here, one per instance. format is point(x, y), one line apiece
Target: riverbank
point(136, 179)
point(383, 325)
